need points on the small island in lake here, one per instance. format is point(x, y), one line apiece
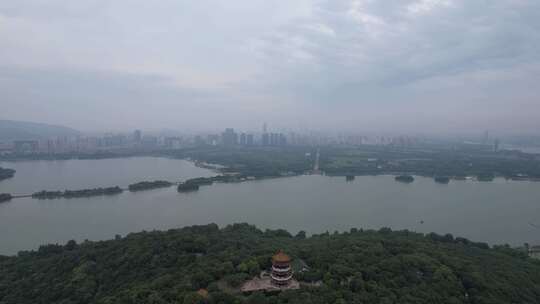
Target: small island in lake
point(404, 178)
point(149, 185)
point(442, 179)
point(6, 173)
point(4, 197)
point(77, 193)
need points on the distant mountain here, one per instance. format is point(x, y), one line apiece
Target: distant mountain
point(20, 130)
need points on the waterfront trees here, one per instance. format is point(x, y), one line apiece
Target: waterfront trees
point(6, 173)
point(254, 161)
point(77, 193)
point(149, 185)
point(4, 197)
point(428, 161)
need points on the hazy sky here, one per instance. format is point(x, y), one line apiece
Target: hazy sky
point(391, 65)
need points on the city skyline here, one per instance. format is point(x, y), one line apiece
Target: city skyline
point(141, 142)
point(271, 128)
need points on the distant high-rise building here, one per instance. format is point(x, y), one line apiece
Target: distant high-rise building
point(265, 140)
point(265, 128)
point(229, 137)
point(149, 141)
point(212, 139)
point(249, 140)
point(173, 142)
point(274, 138)
point(198, 140)
point(109, 140)
point(26, 146)
point(496, 145)
point(243, 139)
point(282, 139)
point(137, 136)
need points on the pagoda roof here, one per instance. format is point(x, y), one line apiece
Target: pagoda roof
point(281, 257)
point(203, 293)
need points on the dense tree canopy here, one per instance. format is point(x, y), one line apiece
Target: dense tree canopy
point(147, 185)
point(77, 193)
point(354, 267)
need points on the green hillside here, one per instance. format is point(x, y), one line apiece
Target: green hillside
point(19, 130)
point(354, 267)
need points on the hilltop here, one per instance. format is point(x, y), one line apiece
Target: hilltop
point(19, 130)
point(353, 267)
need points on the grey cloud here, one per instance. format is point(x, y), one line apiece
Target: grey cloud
point(343, 64)
point(99, 99)
point(457, 38)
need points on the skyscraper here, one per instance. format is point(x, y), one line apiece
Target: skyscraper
point(249, 140)
point(282, 139)
point(243, 139)
point(137, 136)
point(265, 140)
point(229, 137)
point(274, 137)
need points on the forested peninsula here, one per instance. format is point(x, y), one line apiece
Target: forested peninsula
point(205, 264)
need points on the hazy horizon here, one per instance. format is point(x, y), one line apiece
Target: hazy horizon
point(414, 66)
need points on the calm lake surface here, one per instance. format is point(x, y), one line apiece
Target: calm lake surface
point(32, 176)
point(496, 212)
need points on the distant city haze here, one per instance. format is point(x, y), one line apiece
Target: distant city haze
point(407, 66)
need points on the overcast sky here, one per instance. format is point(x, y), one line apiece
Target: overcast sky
point(366, 65)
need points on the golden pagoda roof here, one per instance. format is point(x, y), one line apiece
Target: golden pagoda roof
point(281, 257)
point(203, 293)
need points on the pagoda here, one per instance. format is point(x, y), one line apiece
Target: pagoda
point(281, 269)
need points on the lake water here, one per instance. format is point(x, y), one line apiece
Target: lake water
point(32, 176)
point(496, 212)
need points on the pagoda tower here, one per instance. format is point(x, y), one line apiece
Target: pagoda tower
point(281, 269)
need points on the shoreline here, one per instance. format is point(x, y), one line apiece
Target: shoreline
point(309, 234)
